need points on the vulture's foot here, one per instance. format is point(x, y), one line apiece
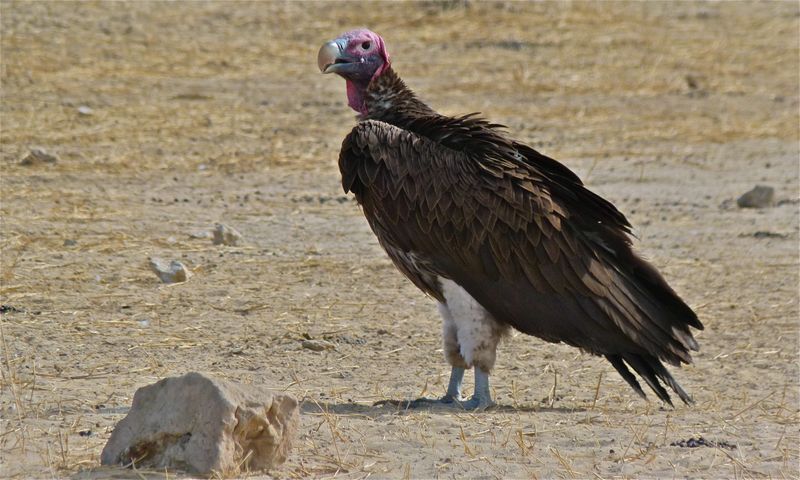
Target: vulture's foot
point(482, 399)
point(477, 403)
point(453, 395)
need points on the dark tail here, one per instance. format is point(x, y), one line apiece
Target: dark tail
point(651, 370)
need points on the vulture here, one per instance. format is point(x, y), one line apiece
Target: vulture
point(500, 235)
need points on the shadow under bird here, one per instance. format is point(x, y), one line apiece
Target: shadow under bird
point(500, 235)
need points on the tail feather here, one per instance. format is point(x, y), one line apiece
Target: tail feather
point(643, 368)
point(626, 374)
point(651, 370)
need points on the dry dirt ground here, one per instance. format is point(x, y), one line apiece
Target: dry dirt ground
point(168, 117)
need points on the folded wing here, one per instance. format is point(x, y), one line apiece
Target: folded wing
point(523, 236)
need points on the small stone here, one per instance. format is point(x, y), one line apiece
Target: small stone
point(768, 234)
point(225, 235)
point(205, 426)
point(38, 156)
point(174, 272)
point(759, 197)
point(318, 345)
point(203, 234)
point(70, 242)
point(84, 110)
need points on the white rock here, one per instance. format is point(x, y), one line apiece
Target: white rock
point(173, 272)
point(37, 156)
point(205, 426)
point(225, 235)
point(203, 234)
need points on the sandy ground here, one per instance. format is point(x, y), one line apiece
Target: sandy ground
point(168, 117)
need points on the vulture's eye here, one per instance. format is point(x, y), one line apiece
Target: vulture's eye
point(366, 45)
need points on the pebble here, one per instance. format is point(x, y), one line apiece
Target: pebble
point(225, 235)
point(759, 197)
point(173, 272)
point(768, 234)
point(84, 110)
point(702, 442)
point(9, 309)
point(204, 234)
point(38, 156)
point(318, 345)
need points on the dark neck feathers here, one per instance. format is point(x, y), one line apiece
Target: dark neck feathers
point(388, 99)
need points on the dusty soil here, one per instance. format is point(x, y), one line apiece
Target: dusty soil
point(168, 117)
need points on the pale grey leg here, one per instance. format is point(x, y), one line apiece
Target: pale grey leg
point(454, 387)
point(453, 394)
point(482, 399)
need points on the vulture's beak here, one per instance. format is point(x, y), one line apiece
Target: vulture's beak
point(332, 57)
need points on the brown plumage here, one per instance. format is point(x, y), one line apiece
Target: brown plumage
point(455, 198)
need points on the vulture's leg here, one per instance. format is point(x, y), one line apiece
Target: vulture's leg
point(454, 386)
point(482, 398)
point(477, 334)
point(452, 353)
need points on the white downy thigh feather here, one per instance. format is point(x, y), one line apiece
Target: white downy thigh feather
point(476, 331)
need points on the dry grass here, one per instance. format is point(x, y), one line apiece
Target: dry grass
point(213, 111)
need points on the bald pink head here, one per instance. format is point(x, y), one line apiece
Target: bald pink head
point(358, 56)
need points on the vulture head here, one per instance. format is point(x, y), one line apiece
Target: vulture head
point(358, 56)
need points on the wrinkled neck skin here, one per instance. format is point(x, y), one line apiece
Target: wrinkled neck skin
point(355, 95)
point(357, 88)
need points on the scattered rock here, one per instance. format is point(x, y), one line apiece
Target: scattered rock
point(205, 426)
point(702, 442)
point(203, 234)
point(759, 197)
point(225, 235)
point(345, 339)
point(174, 272)
point(38, 156)
point(9, 309)
point(318, 345)
point(767, 234)
point(70, 242)
point(85, 111)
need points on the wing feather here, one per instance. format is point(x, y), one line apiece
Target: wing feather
point(521, 234)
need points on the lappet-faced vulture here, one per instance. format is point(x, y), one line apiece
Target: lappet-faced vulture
point(499, 234)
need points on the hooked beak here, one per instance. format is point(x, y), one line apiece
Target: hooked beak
point(331, 57)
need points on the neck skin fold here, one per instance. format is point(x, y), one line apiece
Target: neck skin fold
point(356, 90)
point(355, 96)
